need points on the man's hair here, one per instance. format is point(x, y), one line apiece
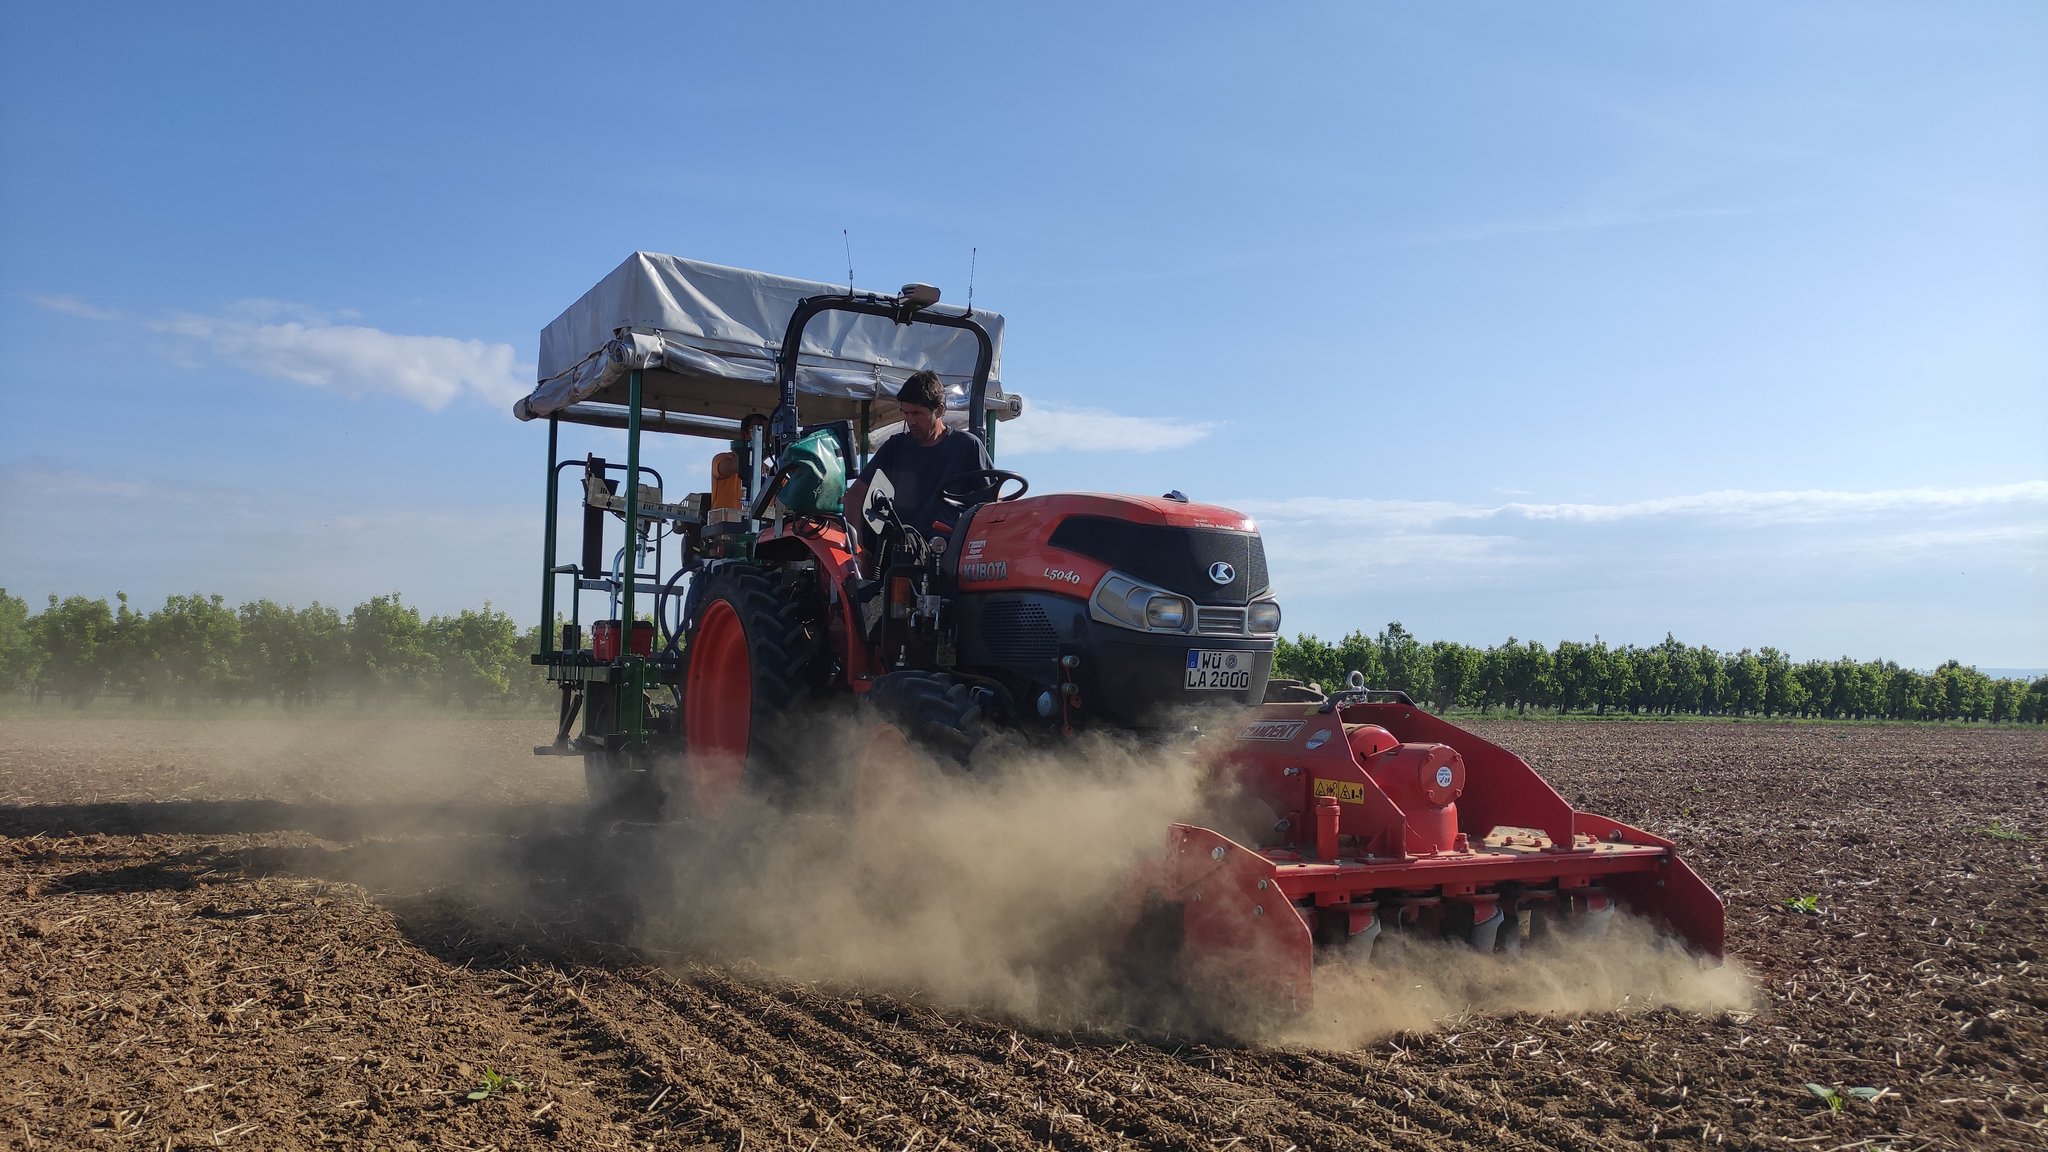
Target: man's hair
point(922, 389)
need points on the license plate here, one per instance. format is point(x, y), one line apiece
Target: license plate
point(1211, 670)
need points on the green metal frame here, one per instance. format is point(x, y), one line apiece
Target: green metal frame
point(632, 692)
point(634, 674)
point(548, 638)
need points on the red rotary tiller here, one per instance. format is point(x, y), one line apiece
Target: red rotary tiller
point(1384, 819)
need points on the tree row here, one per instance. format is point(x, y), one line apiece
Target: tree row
point(197, 647)
point(1670, 678)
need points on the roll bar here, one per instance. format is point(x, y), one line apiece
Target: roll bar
point(787, 427)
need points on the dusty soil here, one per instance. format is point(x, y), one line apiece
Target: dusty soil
point(249, 931)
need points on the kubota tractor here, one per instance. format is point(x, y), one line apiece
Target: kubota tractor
point(1044, 614)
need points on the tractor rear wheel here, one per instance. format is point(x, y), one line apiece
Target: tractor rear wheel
point(743, 671)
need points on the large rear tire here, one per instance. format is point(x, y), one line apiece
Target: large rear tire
point(743, 673)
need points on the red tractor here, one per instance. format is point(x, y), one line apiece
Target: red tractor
point(1041, 614)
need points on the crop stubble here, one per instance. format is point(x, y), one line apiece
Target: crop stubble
point(253, 932)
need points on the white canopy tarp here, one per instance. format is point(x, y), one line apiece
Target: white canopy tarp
point(705, 338)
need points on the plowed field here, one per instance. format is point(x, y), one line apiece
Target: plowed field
point(253, 932)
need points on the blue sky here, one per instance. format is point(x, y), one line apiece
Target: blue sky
point(1503, 319)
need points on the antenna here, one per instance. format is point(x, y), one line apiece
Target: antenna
point(973, 255)
point(848, 241)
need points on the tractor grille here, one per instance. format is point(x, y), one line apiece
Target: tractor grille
point(1018, 633)
point(1177, 559)
point(1219, 621)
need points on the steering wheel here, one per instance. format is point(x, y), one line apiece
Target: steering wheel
point(981, 486)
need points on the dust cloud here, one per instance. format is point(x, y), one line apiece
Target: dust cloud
point(1629, 967)
point(995, 889)
point(1011, 890)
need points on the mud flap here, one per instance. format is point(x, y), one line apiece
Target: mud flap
point(1243, 944)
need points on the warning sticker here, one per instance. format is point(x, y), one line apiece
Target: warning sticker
point(1347, 791)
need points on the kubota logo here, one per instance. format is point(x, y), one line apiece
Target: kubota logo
point(1222, 573)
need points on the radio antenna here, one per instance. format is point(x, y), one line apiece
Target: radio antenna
point(972, 255)
point(848, 241)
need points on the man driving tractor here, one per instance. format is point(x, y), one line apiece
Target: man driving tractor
point(919, 462)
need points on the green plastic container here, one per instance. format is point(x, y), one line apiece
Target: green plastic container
point(817, 477)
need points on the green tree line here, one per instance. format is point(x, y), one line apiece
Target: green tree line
point(198, 647)
point(1670, 678)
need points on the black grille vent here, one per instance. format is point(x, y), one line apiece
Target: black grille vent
point(1256, 568)
point(1018, 632)
point(1177, 559)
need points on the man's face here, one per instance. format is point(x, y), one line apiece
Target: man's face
point(923, 424)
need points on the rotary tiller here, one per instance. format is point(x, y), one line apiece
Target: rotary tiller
point(1381, 820)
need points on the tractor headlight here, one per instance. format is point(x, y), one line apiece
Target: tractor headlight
point(1135, 603)
point(1120, 600)
point(1125, 602)
point(1166, 613)
point(1263, 618)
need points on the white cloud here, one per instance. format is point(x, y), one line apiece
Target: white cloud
point(1808, 505)
point(260, 308)
point(357, 361)
point(1734, 555)
point(1780, 507)
point(73, 306)
point(279, 340)
point(1356, 513)
point(1045, 428)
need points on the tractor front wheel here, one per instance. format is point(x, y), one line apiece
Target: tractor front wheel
point(938, 714)
point(915, 722)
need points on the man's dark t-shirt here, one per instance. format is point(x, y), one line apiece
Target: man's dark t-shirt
point(917, 471)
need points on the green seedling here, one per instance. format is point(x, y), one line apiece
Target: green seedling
point(1807, 904)
point(494, 1084)
point(1827, 1095)
point(1837, 1099)
point(1998, 831)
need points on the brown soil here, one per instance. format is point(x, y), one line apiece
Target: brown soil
point(254, 932)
